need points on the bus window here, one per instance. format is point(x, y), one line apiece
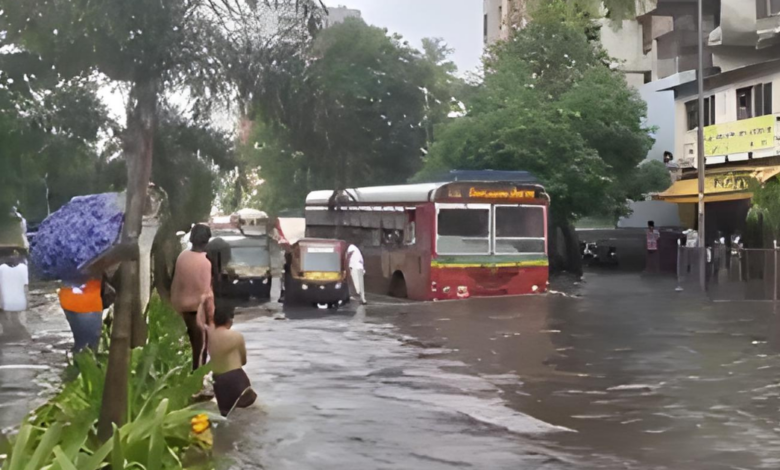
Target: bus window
point(463, 231)
point(519, 229)
point(410, 237)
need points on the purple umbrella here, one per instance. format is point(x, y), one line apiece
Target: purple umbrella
point(79, 232)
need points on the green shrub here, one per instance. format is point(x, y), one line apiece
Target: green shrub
point(62, 434)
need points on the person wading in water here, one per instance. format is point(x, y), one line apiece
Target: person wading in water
point(227, 350)
point(191, 292)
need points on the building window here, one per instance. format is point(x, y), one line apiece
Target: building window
point(692, 112)
point(745, 103)
point(485, 26)
point(709, 115)
point(500, 17)
point(768, 98)
point(754, 101)
point(762, 104)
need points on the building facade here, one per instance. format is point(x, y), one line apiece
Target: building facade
point(338, 14)
point(740, 113)
point(624, 44)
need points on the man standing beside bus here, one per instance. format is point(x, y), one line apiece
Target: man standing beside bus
point(357, 271)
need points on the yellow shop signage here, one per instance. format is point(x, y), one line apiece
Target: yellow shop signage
point(725, 182)
point(742, 136)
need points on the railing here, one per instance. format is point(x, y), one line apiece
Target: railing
point(732, 274)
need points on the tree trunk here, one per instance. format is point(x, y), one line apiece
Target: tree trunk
point(567, 258)
point(129, 325)
point(573, 256)
point(164, 258)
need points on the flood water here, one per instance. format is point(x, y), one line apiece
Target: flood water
point(627, 375)
point(33, 352)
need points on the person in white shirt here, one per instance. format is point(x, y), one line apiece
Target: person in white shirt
point(14, 279)
point(357, 271)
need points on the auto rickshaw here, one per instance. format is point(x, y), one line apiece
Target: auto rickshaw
point(242, 265)
point(316, 273)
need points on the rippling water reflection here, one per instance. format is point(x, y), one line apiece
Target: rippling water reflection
point(340, 393)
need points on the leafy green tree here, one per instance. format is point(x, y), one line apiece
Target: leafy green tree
point(651, 177)
point(765, 210)
point(50, 144)
point(550, 104)
point(358, 108)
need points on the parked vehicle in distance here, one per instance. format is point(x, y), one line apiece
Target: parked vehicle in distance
point(240, 253)
point(600, 253)
point(242, 265)
point(317, 273)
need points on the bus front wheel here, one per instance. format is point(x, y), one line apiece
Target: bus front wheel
point(398, 285)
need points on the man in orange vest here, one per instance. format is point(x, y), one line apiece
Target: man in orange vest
point(83, 305)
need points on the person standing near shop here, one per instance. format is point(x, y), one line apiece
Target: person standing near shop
point(191, 292)
point(357, 272)
point(652, 248)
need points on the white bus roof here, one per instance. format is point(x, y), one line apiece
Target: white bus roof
point(406, 193)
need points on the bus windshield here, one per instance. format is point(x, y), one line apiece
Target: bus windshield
point(519, 229)
point(464, 231)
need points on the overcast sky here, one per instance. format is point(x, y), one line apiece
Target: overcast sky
point(459, 22)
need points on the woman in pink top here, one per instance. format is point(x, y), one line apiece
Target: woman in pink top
point(191, 290)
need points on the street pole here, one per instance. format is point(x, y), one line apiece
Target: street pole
point(700, 153)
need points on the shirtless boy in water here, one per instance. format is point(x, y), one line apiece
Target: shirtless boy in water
point(227, 351)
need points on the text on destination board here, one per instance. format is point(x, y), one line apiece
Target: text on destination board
point(501, 194)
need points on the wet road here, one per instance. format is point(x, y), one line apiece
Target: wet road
point(33, 347)
point(628, 375)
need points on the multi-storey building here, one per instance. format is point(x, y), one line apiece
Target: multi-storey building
point(742, 74)
point(338, 14)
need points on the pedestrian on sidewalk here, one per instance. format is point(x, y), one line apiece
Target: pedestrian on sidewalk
point(83, 304)
point(357, 272)
point(14, 281)
point(651, 266)
point(227, 350)
point(191, 292)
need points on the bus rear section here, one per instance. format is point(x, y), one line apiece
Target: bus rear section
point(489, 249)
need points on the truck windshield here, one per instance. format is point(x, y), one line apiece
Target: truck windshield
point(463, 231)
point(320, 259)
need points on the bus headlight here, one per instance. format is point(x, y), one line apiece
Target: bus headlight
point(304, 287)
point(338, 285)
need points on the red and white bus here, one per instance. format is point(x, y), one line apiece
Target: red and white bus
point(437, 241)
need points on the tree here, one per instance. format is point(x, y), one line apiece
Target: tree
point(358, 108)
point(550, 105)
point(651, 177)
point(765, 211)
point(153, 48)
point(50, 138)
